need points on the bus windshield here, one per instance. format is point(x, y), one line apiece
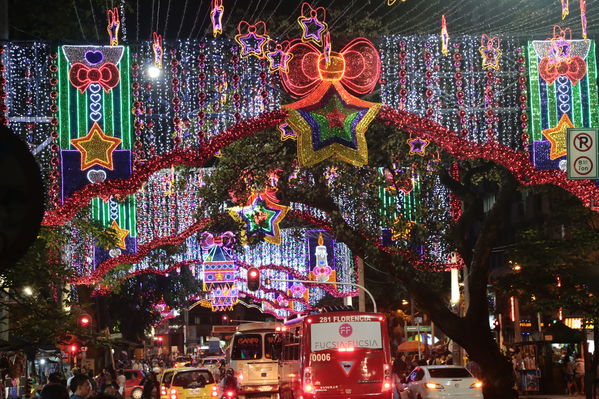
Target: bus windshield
point(247, 347)
point(272, 346)
point(353, 334)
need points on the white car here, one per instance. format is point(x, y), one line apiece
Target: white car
point(435, 382)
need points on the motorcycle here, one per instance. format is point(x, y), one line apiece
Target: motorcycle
point(229, 394)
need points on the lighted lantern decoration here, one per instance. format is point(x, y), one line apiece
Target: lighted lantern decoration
point(252, 39)
point(312, 22)
point(261, 215)
point(220, 270)
point(489, 50)
point(321, 271)
point(329, 120)
point(563, 57)
point(216, 15)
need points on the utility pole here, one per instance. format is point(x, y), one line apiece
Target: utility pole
point(361, 282)
point(3, 20)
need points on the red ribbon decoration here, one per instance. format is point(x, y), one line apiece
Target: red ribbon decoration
point(574, 69)
point(357, 67)
point(81, 76)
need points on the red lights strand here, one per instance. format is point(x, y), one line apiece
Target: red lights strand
point(3, 93)
point(516, 162)
point(187, 157)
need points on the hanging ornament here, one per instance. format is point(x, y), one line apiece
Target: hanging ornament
point(329, 120)
point(287, 132)
point(252, 39)
point(220, 270)
point(113, 26)
point(489, 50)
point(559, 60)
point(565, 8)
point(444, 36)
point(158, 49)
point(262, 215)
point(278, 59)
point(327, 48)
point(312, 22)
point(216, 15)
point(418, 146)
point(583, 18)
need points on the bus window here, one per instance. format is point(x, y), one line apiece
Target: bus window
point(272, 346)
point(247, 347)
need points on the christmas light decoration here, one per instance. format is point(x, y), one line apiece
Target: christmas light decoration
point(252, 38)
point(418, 146)
point(444, 36)
point(559, 59)
point(216, 16)
point(120, 234)
point(312, 22)
point(81, 76)
point(287, 132)
point(96, 148)
point(583, 18)
point(219, 270)
point(261, 215)
point(158, 50)
point(490, 52)
point(557, 137)
point(114, 24)
point(279, 58)
point(321, 271)
point(565, 8)
point(330, 121)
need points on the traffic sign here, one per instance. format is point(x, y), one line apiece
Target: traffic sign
point(583, 154)
point(417, 328)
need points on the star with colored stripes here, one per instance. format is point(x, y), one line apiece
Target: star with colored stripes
point(96, 148)
point(557, 137)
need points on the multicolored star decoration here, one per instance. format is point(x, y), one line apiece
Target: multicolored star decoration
point(261, 215)
point(287, 133)
point(557, 137)
point(328, 119)
point(96, 148)
point(418, 146)
point(252, 39)
point(120, 234)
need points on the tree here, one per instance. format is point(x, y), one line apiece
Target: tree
point(349, 196)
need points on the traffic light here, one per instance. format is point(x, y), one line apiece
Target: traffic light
point(73, 348)
point(224, 319)
point(85, 321)
point(253, 279)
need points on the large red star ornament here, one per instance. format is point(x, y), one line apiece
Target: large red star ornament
point(336, 119)
point(557, 137)
point(96, 148)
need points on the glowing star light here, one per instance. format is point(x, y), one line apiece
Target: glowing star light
point(287, 132)
point(557, 137)
point(418, 146)
point(114, 24)
point(490, 52)
point(444, 36)
point(252, 39)
point(313, 25)
point(96, 148)
point(261, 215)
point(158, 49)
point(216, 15)
point(120, 234)
point(279, 58)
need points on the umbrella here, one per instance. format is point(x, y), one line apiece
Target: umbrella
point(411, 346)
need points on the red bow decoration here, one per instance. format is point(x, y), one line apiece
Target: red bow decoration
point(225, 240)
point(81, 76)
point(357, 67)
point(574, 69)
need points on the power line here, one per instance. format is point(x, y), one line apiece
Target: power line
point(91, 6)
point(182, 18)
point(79, 20)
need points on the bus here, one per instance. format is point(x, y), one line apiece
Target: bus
point(336, 355)
point(254, 356)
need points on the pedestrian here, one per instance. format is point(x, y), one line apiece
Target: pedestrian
point(150, 384)
point(54, 391)
point(579, 374)
point(80, 386)
point(569, 376)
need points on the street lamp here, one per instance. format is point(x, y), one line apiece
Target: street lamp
point(28, 291)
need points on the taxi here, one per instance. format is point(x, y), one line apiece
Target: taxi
point(188, 383)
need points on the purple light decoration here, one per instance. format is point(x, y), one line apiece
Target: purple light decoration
point(418, 146)
point(252, 42)
point(94, 57)
point(287, 133)
point(313, 28)
point(216, 15)
point(279, 59)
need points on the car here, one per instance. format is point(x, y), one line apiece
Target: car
point(183, 361)
point(212, 363)
point(436, 382)
point(188, 383)
point(133, 383)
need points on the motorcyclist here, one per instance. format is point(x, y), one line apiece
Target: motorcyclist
point(230, 383)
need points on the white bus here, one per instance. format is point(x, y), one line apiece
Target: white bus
point(254, 355)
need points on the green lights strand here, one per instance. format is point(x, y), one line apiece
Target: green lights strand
point(592, 82)
point(576, 106)
point(125, 101)
point(64, 102)
point(535, 94)
point(552, 104)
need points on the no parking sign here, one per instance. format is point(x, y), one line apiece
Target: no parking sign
point(583, 157)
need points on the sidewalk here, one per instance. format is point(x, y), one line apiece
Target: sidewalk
point(541, 396)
